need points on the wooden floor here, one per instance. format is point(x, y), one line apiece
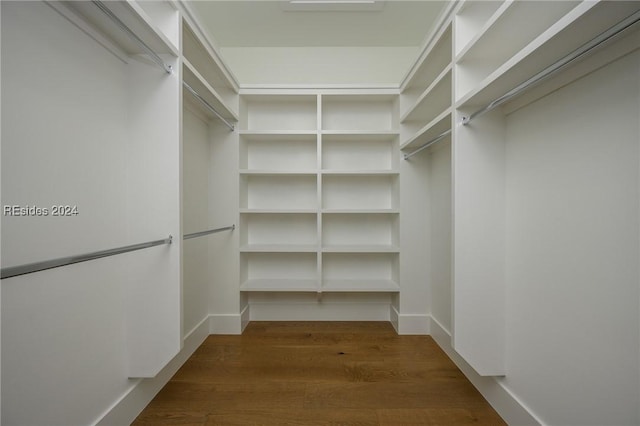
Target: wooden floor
point(319, 373)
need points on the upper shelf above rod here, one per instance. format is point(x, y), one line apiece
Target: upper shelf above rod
point(125, 29)
point(557, 66)
point(208, 106)
point(122, 27)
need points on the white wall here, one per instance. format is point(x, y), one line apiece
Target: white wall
point(573, 248)
point(319, 65)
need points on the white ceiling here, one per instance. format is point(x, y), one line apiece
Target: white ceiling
point(244, 23)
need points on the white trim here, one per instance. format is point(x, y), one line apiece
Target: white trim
point(510, 407)
point(393, 317)
point(245, 317)
point(419, 324)
point(250, 89)
point(225, 324)
point(142, 391)
point(292, 311)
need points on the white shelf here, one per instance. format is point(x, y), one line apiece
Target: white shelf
point(164, 15)
point(472, 19)
point(434, 99)
point(133, 16)
point(285, 153)
point(278, 114)
point(377, 232)
point(436, 127)
point(277, 211)
point(193, 78)
point(358, 269)
point(360, 249)
point(280, 285)
point(279, 232)
point(360, 286)
point(275, 134)
point(278, 191)
point(360, 192)
point(433, 62)
point(203, 61)
point(360, 153)
point(537, 44)
point(360, 211)
point(470, 31)
point(279, 248)
point(358, 113)
point(359, 133)
point(359, 172)
point(279, 266)
point(278, 172)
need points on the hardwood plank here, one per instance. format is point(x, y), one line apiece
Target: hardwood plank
point(429, 394)
point(294, 417)
point(318, 373)
point(159, 417)
point(439, 416)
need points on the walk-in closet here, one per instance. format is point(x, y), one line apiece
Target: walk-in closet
point(463, 170)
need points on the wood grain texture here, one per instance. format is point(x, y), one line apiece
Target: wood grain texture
point(318, 373)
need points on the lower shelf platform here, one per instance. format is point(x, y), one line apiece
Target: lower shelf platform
point(367, 285)
point(282, 285)
point(329, 286)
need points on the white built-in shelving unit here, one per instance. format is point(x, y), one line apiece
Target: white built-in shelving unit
point(209, 123)
point(509, 220)
point(468, 63)
point(487, 66)
point(319, 193)
point(425, 99)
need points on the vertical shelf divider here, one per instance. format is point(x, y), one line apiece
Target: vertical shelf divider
point(319, 166)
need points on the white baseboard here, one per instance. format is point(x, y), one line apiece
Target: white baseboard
point(393, 317)
point(319, 312)
point(510, 408)
point(142, 391)
point(245, 317)
point(412, 323)
point(225, 324)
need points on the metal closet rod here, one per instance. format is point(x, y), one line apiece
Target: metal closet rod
point(428, 144)
point(154, 56)
point(208, 106)
point(542, 75)
point(211, 231)
point(557, 66)
point(29, 268)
